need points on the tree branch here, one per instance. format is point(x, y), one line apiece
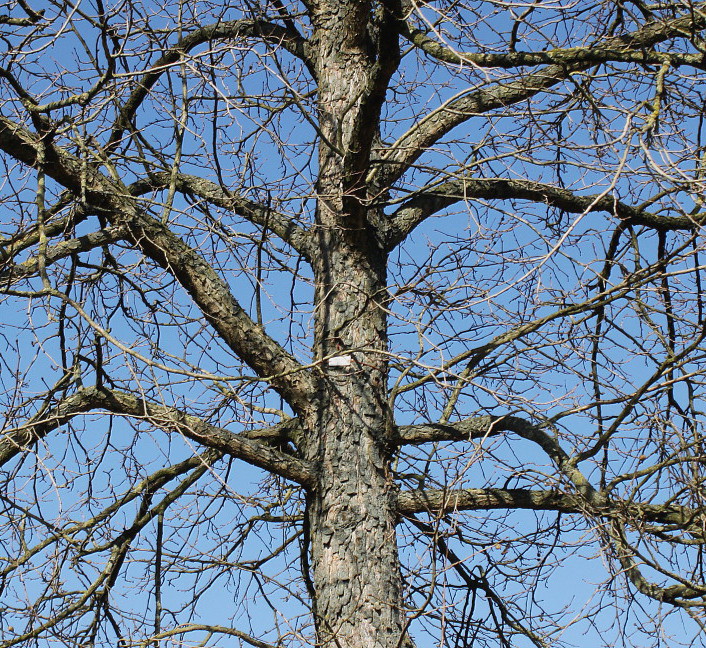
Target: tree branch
point(433, 199)
point(17, 440)
point(228, 29)
point(479, 427)
point(476, 427)
point(169, 419)
point(12, 273)
point(483, 499)
point(677, 594)
point(592, 54)
point(477, 101)
point(196, 627)
point(255, 212)
point(154, 239)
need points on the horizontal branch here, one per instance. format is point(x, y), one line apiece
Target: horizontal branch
point(476, 427)
point(255, 212)
point(208, 290)
point(169, 419)
point(481, 499)
point(591, 54)
point(479, 427)
point(431, 201)
point(33, 17)
point(16, 22)
point(55, 223)
point(397, 158)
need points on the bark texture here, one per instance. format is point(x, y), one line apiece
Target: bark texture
point(352, 509)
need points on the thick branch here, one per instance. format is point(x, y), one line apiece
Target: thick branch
point(255, 212)
point(169, 419)
point(482, 499)
point(432, 200)
point(479, 427)
point(630, 560)
point(558, 56)
point(208, 290)
point(477, 101)
point(194, 428)
point(476, 427)
point(33, 17)
point(266, 31)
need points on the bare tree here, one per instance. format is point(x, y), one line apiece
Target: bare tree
point(352, 324)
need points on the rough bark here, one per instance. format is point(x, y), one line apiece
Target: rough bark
point(352, 509)
point(669, 516)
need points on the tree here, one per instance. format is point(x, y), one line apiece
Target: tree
point(434, 269)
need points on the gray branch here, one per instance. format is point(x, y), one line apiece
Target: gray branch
point(476, 427)
point(209, 291)
point(432, 200)
point(244, 446)
point(477, 101)
point(671, 516)
point(11, 273)
point(228, 29)
point(483, 426)
point(280, 224)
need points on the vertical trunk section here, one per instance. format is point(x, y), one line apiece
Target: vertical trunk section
point(351, 512)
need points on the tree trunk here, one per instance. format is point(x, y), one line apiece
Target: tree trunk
point(351, 512)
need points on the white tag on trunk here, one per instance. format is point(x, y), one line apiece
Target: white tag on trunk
point(339, 361)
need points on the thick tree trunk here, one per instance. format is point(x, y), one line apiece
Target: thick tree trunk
point(354, 557)
point(351, 512)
